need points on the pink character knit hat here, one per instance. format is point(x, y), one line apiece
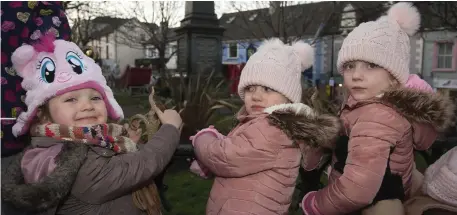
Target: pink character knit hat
point(440, 180)
point(384, 42)
point(279, 67)
point(53, 67)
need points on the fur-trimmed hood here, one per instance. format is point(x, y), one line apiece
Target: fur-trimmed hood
point(423, 110)
point(48, 192)
point(422, 107)
point(301, 123)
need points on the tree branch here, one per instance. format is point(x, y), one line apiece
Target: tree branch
point(153, 26)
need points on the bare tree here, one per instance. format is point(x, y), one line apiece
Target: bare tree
point(443, 12)
point(152, 25)
point(287, 20)
point(81, 15)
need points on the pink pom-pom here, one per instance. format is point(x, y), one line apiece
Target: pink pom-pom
point(272, 43)
point(407, 16)
point(305, 53)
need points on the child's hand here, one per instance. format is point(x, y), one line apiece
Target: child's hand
point(200, 170)
point(169, 117)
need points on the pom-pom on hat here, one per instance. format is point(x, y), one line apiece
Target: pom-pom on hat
point(51, 68)
point(384, 42)
point(279, 67)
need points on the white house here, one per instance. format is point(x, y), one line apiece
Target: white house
point(113, 43)
point(171, 52)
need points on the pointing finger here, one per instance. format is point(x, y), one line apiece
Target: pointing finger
point(157, 110)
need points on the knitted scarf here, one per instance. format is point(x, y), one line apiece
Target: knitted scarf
point(110, 136)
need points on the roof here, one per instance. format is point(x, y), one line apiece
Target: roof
point(105, 25)
point(303, 20)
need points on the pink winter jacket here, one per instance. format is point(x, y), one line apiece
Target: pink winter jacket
point(256, 165)
point(404, 120)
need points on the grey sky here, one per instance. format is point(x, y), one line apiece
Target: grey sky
point(124, 8)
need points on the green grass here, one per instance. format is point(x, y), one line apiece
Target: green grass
point(187, 193)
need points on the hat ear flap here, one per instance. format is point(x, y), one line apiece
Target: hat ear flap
point(21, 57)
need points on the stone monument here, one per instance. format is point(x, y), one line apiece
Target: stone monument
point(199, 39)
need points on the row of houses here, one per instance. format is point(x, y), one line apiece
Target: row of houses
point(433, 48)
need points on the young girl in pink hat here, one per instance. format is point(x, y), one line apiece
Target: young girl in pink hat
point(256, 164)
point(439, 190)
point(388, 114)
point(78, 163)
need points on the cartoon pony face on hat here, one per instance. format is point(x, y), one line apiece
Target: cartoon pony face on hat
point(54, 67)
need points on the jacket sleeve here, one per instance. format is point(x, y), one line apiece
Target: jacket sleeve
point(369, 146)
point(253, 150)
point(107, 179)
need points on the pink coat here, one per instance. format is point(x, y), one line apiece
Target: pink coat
point(256, 165)
point(403, 120)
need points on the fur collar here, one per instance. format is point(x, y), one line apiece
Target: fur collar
point(420, 107)
point(303, 124)
point(52, 189)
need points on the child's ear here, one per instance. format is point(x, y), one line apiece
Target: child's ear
point(21, 57)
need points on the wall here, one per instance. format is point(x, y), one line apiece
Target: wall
point(122, 53)
point(127, 55)
point(429, 42)
point(415, 63)
point(326, 54)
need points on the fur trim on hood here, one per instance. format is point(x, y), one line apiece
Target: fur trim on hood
point(303, 124)
point(52, 189)
point(422, 107)
point(425, 111)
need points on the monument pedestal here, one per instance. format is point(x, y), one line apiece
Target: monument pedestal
point(200, 40)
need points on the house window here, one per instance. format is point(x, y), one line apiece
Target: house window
point(233, 50)
point(348, 18)
point(148, 52)
point(444, 58)
point(253, 16)
point(250, 51)
point(151, 53)
point(230, 20)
